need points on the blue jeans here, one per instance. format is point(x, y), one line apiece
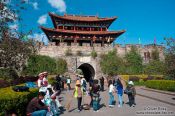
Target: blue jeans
point(111, 98)
point(120, 99)
point(39, 113)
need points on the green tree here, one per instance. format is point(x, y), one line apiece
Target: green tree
point(94, 54)
point(13, 50)
point(61, 66)
point(170, 58)
point(39, 63)
point(110, 63)
point(155, 54)
point(154, 67)
point(133, 62)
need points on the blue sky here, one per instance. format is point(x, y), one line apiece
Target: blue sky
point(144, 19)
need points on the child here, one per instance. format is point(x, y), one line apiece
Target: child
point(111, 91)
point(78, 93)
point(130, 90)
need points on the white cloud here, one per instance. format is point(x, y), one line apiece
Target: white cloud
point(42, 19)
point(60, 5)
point(35, 5)
point(14, 26)
point(39, 37)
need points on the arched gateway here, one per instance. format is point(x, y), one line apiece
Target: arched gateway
point(88, 71)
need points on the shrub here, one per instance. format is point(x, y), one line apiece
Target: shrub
point(94, 54)
point(17, 101)
point(68, 52)
point(167, 85)
point(133, 78)
point(4, 83)
point(39, 63)
point(8, 74)
point(61, 66)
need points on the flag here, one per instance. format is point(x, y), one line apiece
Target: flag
point(155, 41)
point(139, 41)
point(25, 38)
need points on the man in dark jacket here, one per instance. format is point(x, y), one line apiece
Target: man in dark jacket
point(102, 83)
point(36, 107)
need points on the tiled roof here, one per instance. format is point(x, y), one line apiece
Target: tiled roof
point(83, 32)
point(82, 18)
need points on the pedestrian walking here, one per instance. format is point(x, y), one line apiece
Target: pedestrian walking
point(131, 92)
point(78, 93)
point(119, 90)
point(68, 82)
point(102, 83)
point(111, 93)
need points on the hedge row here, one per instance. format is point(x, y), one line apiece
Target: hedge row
point(15, 101)
point(141, 77)
point(167, 85)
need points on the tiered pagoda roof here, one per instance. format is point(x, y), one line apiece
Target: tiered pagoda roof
point(89, 27)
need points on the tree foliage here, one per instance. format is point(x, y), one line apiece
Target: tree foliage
point(110, 63)
point(61, 66)
point(13, 50)
point(170, 58)
point(39, 63)
point(94, 54)
point(133, 62)
point(154, 67)
point(155, 54)
point(13, 53)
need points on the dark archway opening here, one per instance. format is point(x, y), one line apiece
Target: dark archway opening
point(88, 71)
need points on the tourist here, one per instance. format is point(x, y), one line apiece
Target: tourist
point(45, 80)
point(95, 95)
point(102, 83)
point(119, 89)
point(131, 92)
point(40, 80)
point(78, 93)
point(111, 92)
point(68, 82)
point(36, 107)
point(83, 83)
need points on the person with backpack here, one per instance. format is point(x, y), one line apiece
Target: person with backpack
point(119, 90)
point(111, 91)
point(131, 92)
point(95, 95)
point(78, 93)
point(83, 83)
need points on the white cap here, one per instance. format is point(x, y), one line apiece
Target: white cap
point(131, 83)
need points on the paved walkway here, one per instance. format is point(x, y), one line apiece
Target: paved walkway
point(144, 105)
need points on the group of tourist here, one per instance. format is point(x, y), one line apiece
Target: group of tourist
point(47, 102)
point(116, 86)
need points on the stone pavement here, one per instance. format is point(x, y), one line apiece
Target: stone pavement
point(144, 105)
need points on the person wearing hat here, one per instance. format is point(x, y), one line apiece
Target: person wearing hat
point(45, 80)
point(131, 92)
point(40, 80)
point(78, 93)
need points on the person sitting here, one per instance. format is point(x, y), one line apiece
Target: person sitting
point(40, 80)
point(45, 80)
point(36, 107)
